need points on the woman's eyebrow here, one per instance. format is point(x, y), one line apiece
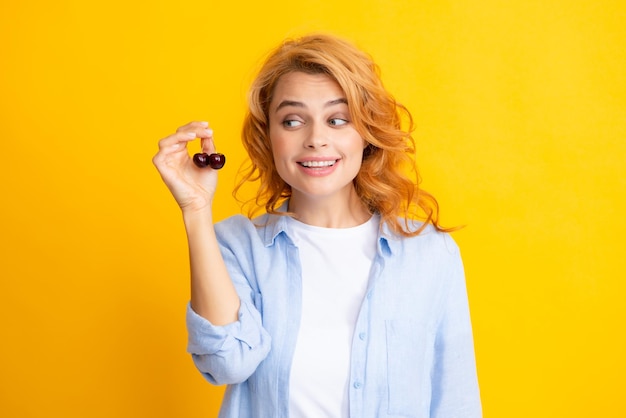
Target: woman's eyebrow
point(291, 103)
point(337, 101)
point(294, 103)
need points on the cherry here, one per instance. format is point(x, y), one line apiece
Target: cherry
point(201, 160)
point(215, 160)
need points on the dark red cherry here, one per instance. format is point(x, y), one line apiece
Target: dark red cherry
point(217, 161)
point(201, 159)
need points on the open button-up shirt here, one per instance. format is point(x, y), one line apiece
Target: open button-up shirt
point(412, 351)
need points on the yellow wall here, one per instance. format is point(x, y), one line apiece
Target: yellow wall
point(521, 114)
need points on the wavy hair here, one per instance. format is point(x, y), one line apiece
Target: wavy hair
point(388, 181)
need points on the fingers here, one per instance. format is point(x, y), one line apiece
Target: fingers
point(193, 126)
point(199, 130)
point(185, 134)
point(208, 146)
point(176, 144)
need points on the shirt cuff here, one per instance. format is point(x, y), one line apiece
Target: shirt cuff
point(206, 338)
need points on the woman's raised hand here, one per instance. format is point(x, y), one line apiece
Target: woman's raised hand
point(192, 187)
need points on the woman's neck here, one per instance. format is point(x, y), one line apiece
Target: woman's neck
point(332, 212)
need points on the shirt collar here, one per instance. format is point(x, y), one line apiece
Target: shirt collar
point(274, 225)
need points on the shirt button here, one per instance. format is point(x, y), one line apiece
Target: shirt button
point(362, 336)
point(357, 385)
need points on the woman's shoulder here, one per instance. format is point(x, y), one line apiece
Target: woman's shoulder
point(234, 221)
point(242, 229)
point(429, 239)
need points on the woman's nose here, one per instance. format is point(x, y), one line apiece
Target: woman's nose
point(317, 137)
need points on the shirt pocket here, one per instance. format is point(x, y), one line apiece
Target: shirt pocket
point(409, 363)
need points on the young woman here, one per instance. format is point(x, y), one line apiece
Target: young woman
point(346, 298)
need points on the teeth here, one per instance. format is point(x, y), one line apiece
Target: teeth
point(318, 163)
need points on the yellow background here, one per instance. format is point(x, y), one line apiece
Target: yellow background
point(521, 121)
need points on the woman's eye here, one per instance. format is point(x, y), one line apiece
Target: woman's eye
point(291, 123)
point(337, 121)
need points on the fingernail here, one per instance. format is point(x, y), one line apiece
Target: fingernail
point(190, 134)
point(204, 123)
point(209, 131)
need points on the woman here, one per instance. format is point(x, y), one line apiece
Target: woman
point(339, 301)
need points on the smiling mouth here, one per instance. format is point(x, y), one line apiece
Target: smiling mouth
point(317, 164)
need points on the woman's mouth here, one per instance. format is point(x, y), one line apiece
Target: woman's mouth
point(317, 164)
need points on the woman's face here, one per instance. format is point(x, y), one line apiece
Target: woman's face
point(316, 148)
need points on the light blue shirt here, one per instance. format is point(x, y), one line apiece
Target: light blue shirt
point(412, 351)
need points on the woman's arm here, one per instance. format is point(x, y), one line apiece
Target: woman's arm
point(213, 295)
point(455, 382)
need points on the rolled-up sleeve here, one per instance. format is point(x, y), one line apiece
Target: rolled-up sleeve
point(231, 353)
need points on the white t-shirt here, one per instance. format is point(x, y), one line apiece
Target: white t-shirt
point(336, 265)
